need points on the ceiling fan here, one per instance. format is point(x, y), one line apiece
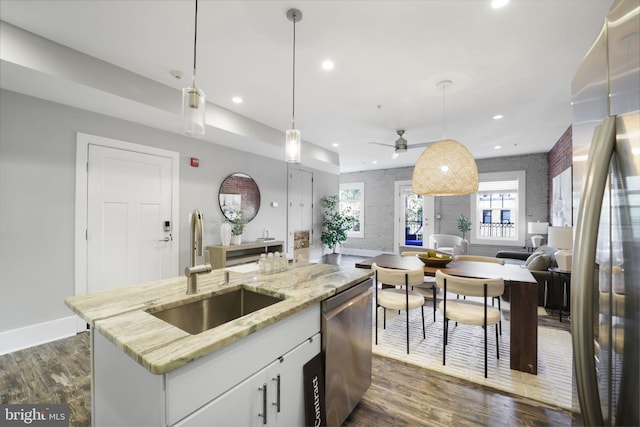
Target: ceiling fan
point(401, 145)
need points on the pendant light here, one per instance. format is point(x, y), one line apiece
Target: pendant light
point(292, 136)
point(193, 99)
point(446, 167)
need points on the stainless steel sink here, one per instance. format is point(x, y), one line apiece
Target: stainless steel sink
point(199, 316)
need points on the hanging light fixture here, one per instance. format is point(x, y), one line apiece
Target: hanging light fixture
point(446, 167)
point(292, 136)
point(193, 99)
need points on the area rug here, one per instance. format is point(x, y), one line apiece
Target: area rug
point(465, 355)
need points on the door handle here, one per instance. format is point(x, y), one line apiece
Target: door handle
point(166, 239)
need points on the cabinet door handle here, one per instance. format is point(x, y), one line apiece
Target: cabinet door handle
point(264, 403)
point(277, 402)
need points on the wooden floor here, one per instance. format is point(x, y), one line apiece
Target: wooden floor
point(400, 395)
point(56, 372)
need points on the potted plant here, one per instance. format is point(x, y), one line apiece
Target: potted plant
point(464, 225)
point(237, 229)
point(335, 225)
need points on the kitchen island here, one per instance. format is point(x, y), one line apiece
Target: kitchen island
point(172, 377)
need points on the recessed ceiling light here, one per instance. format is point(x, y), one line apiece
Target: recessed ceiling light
point(497, 4)
point(236, 100)
point(176, 74)
point(375, 162)
point(328, 65)
point(335, 144)
point(498, 117)
point(497, 147)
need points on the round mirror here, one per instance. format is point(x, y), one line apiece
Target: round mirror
point(239, 197)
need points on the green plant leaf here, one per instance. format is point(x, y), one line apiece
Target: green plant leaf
point(335, 224)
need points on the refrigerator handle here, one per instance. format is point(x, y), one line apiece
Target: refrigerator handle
point(584, 259)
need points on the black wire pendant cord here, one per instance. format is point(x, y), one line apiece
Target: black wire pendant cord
point(195, 43)
point(293, 101)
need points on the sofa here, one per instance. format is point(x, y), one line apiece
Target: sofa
point(538, 262)
point(449, 243)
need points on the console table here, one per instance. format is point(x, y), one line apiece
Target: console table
point(223, 256)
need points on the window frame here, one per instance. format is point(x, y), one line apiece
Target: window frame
point(521, 191)
point(360, 187)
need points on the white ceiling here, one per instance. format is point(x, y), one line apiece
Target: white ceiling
point(517, 61)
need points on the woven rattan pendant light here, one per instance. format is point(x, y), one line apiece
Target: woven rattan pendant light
point(446, 167)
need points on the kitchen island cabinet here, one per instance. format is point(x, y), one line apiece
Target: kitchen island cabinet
point(148, 372)
point(274, 396)
point(217, 389)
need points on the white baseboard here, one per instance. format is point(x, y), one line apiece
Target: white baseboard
point(28, 336)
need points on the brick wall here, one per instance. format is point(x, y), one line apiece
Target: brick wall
point(379, 195)
point(560, 158)
point(379, 200)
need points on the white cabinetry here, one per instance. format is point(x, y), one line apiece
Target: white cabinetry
point(273, 396)
point(221, 388)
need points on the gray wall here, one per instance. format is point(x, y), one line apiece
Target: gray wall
point(379, 200)
point(37, 197)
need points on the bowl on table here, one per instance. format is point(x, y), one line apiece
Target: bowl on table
point(433, 258)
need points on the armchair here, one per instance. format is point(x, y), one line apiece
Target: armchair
point(449, 243)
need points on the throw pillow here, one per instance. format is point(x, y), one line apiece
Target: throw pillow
point(531, 258)
point(539, 262)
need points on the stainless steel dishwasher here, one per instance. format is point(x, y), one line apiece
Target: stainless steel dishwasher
point(346, 345)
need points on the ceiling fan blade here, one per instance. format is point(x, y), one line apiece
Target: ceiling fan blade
point(419, 145)
point(383, 144)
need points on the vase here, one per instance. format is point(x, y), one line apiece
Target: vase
point(333, 259)
point(237, 239)
point(225, 234)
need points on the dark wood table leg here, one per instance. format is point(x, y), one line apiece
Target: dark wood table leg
point(524, 327)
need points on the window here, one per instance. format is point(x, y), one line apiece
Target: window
point(498, 209)
point(352, 199)
point(486, 216)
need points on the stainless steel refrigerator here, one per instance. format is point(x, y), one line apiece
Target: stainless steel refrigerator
point(605, 302)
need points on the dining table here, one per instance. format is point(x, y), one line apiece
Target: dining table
point(523, 299)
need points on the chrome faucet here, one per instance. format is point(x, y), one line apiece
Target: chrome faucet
point(194, 270)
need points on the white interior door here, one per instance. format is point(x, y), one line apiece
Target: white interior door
point(129, 217)
point(412, 228)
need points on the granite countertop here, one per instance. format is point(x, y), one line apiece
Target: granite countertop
point(119, 314)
